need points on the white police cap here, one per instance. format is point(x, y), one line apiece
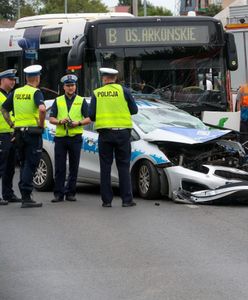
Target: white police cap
point(69, 79)
point(10, 73)
point(108, 71)
point(33, 70)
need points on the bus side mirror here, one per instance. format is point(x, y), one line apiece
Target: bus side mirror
point(231, 52)
point(76, 54)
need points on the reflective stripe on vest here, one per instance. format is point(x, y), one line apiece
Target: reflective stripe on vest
point(4, 126)
point(26, 111)
point(111, 108)
point(244, 95)
point(75, 114)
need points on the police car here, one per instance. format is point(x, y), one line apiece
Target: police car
point(174, 155)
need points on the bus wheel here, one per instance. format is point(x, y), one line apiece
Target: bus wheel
point(43, 177)
point(148, 180)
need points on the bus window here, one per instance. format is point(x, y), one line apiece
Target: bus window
point(54, 66)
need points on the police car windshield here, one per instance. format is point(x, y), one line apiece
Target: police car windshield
point(158, 116)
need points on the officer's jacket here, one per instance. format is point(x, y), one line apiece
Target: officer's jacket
point(4, 126)
point(243, 98)
point(111, 108)
point(25, 109)
point(244, 95)
point(74, 114)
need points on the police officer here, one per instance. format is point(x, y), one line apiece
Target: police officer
point(69, 113)
point(29, 109)
point(7, 147)
point(111, 108)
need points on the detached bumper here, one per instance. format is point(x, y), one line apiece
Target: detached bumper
point(230, 193)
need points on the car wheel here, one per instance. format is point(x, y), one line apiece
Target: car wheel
point(43, 177)
point(148, 180)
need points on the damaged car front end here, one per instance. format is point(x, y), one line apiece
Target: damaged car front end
point(206, 165)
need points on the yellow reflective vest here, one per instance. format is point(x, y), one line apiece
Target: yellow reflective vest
point(25, 109)
point(74, 114)
point(111, 108)
point(4, 126)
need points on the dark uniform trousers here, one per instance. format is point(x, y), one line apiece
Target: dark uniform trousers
point(29, 149)
point(7, 164)
point(243, 131)
point(72, 146)
point(117, 143)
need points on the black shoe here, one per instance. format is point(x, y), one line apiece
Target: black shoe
point(13, 199)
point(70, 198)
point(57, 199)
point(3, 202)
point(106, 205)
point(127, 204)
point(30, 203)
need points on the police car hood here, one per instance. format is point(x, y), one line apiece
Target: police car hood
point(184, 135)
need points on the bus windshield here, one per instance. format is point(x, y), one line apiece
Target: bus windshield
point(184, 76)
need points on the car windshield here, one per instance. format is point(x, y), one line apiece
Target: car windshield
point(155, 117)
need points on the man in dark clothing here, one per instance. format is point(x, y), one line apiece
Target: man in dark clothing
point(7, 146)
point(69, 113)
point(111, 108)
point(27, 104)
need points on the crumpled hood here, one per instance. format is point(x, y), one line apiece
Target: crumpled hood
point(184, 135)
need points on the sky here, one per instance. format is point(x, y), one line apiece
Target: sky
point(169, 4)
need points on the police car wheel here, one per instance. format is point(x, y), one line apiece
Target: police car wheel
point(43, 178)
point(148, 180)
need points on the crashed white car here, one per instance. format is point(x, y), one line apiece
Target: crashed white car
point(174, 155)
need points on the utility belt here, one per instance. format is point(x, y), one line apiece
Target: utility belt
point(30, 130)
point(112, 129)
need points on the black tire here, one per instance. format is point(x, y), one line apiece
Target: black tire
point(43, 177)
point(148, 183)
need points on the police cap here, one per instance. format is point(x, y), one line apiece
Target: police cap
point(108, 71)
point(10, 73)
point(69, 79)
point(33, 70)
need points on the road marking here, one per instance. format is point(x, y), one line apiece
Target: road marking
point(192, 206)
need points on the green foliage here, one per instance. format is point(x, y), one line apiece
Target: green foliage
point(9, 8)
point(124, 2)
point(151, 10)
point(213, 10)
point(73, 6)
point(6, 11)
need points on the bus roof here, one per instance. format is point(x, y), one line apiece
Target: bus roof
point(161, 18)
point(59, 19)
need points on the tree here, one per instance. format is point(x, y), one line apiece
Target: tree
point(73, 6)
point(6, 10)
point(213, 10)
point(9, 9)
point(151, 9)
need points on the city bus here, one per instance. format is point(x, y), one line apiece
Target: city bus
point(181, 60)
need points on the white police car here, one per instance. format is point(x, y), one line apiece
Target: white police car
point(174, 155)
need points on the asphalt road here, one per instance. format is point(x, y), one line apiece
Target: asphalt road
point(81, 251)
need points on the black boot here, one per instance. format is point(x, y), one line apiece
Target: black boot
point(3, 202)
point(28, 202)
point(13, 199)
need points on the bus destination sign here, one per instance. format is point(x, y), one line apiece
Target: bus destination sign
point(156, 35)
